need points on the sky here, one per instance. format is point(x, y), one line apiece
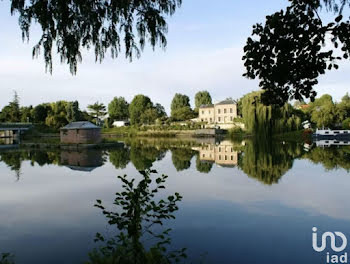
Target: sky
point(204, 51)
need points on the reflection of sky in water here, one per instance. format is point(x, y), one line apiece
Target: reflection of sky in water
point(48, 215)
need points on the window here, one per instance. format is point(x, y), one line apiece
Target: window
point(219, 111)
point(209, 111)
point(225, 111)
point(231, 157)
point(211, 120)
point(219, 118)
point(231, 118)
point(225, 157)
point(219, 149)
point(231, 110)
point(219, 157)
point(203, 112)
point(203, 155)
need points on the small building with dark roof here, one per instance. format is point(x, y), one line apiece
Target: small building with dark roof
point(80, 133)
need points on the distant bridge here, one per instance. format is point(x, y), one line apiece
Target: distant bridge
point(14, 130)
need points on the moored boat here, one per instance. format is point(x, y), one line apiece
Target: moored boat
point(332, 134)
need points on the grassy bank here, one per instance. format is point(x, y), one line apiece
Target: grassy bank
point(300, 136)
point(143, 132)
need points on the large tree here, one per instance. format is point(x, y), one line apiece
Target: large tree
point(97, 110)
point(73, 111)
point(118, 109)
point(138, 106)
point(202, 98)
point(289, 52)
point(11, 112)
point(105, 26)
point(40, 112)
point(180, 107)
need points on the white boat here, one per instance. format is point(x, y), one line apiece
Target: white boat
point(332, 134)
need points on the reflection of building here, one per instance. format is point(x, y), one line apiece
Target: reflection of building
point(221, 113)
point(81, 133)
point(221, 153)
point(85, 160)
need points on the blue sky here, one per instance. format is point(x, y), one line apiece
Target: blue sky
point(205, 43)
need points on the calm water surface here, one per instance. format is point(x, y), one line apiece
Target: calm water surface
point(243, 202)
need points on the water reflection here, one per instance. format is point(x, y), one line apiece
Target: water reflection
point(223, 207)
point(222, 153)
point(267, 161)
point(84, 160)
point(264, 160)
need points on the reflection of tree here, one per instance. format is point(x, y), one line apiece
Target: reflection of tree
point(14, 161)
point(143, 157)
point(136, 216)
point(267, 160)
point(120, 157)
point(181, 158)
point(330, 158)
point(203, 166)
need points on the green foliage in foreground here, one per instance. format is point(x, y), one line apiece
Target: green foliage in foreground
point(135, 216)
point(6, 258)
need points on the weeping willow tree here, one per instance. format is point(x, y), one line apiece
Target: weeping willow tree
point(262, 119)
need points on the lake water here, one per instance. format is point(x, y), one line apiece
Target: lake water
point(243, 202)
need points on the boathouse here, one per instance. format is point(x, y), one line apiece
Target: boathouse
point(80, 133)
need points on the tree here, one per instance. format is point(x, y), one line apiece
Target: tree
point(97, 110)
point(40, 112)
point(202, 98)
point(180, 107)
point(323, 111)
point(118, 109)
point(26, 114)
point(101, 25)
point(73, 112)
point(149, 116)
point(289, 53)
point(57, 115)
point(160, 110)
point(137, 107)
point(261, 119)
point(11, 112)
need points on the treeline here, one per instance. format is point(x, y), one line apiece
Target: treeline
point(324, 112)
point(140, 111)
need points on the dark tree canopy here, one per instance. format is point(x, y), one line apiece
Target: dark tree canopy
point(289, 52)
point(105, 26)
point(202, 98)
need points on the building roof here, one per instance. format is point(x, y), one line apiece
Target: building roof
point(81, 125)
point(207, 106)
point(226, 102)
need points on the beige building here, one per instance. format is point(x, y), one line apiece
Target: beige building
point(222, 154)
point(221, 113)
